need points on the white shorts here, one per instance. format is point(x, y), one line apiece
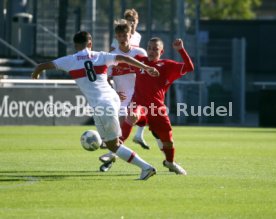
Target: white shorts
point(125, 84)
point(107, 121)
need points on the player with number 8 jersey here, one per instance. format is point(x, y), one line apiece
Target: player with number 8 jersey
point(89, 69)
point(91, 65)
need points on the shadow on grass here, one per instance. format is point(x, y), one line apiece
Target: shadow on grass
point(19, 176)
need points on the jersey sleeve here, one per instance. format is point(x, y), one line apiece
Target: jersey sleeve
point(175, 70)
point(109, 59)
point(63, 63)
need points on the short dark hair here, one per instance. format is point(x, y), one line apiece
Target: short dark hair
point(122, 26)
point(157, 39)
point(82, 37)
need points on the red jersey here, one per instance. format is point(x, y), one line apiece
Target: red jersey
point(150, 89)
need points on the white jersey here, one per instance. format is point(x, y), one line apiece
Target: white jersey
point(134, 40)
point(123, 68)
point(89, 70)
point(124, 76)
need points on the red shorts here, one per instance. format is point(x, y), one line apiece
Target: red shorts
point(157, 119)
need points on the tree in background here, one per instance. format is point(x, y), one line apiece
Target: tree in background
point(228, 9)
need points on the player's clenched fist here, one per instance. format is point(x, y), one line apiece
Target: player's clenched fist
point(178, 44)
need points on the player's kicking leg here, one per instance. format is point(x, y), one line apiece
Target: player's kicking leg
point(109, 129)
point(130, 156)
point(109, 158)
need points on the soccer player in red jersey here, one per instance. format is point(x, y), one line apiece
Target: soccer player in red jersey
point(148, 98)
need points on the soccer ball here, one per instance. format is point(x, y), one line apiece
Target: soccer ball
point(91, 140)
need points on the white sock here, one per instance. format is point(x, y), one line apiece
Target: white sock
point(130, 156)
point(140, 132)
point(159, 143)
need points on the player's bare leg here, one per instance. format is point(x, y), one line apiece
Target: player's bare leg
point(130, 156)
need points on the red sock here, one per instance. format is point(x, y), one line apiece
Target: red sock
point(126, 130)
point(169, 152)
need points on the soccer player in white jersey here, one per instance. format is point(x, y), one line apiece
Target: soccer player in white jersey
point(89, 69)
point(132, 17)
point(123, 76)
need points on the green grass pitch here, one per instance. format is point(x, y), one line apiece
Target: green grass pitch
point(44, 173)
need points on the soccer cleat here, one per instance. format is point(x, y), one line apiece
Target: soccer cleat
point(109, 157)
point(107, 160)
point(147, 173)
point(141, 142)
point(174, 167)
point(106, 166)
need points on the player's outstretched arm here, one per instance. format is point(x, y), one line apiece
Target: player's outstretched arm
point(40, 67)
point(178, 45)
point(131, 61)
